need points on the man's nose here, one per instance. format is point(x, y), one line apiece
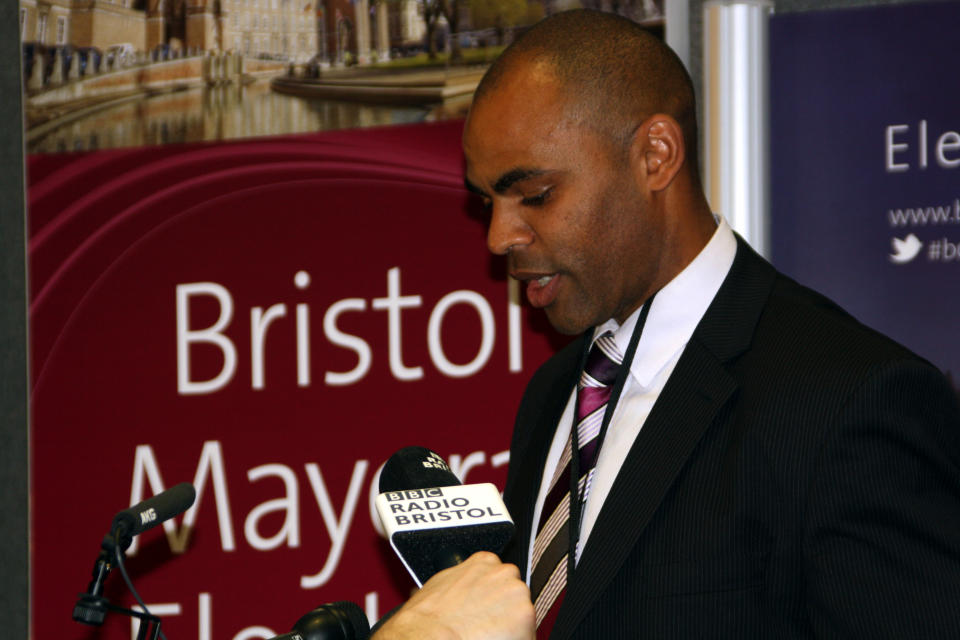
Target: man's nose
point(507, 230)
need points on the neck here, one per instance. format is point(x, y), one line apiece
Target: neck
point(689, 225)
point(690, 219)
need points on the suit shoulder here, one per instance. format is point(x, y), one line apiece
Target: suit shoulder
point(814, 329)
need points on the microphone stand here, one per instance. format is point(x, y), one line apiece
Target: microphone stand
point(92, 606)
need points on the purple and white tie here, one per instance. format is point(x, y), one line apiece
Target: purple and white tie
point(548, 580)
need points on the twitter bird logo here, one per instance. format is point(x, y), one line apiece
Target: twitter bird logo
point(905, 250)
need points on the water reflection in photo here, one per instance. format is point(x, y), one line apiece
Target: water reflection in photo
point(211, 114)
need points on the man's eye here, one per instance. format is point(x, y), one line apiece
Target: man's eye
point(536, 200)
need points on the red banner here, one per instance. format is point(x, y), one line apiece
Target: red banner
point(269, 319)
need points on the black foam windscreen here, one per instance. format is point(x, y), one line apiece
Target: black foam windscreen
point(152, 511)
point(343, 620)
point(416, 468)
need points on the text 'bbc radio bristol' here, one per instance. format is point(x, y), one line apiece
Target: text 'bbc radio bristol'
point(391, 306)
point(423, 506)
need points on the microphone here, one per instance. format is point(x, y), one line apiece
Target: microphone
point(151, 512)
point(342, 620)
point(416, 468)
point(92, 607)
point(433, 521)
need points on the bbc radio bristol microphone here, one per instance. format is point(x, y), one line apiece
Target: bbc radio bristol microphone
point(432, 520)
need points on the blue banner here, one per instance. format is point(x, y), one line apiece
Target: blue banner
point(865, 166)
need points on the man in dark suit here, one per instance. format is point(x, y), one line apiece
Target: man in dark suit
point(767, 466)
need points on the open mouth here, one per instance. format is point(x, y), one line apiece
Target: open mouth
point(542, 290)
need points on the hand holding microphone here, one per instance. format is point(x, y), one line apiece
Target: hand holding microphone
point(479, 599)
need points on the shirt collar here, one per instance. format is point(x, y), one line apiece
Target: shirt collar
point(677, 309)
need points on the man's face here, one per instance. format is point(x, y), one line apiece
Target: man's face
point(567, 208)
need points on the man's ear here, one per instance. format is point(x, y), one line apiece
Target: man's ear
point(659, 150)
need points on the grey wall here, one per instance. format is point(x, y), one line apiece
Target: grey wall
point(14, 594)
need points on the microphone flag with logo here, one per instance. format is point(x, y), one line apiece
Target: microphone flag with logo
point(432, 520)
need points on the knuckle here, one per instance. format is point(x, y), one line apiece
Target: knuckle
point(513, 569)
point(485, 557)
point(508, 572)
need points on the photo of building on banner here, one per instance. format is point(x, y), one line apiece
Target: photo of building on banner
point(140, 72)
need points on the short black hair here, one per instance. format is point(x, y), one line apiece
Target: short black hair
point(619, 70)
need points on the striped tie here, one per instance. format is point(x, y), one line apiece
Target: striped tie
point(551, 547)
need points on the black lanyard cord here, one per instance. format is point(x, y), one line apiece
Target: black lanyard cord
point(576, 500)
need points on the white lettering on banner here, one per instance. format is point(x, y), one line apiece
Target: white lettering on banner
point(500, 459)
point(256, 632)
point(211, 463)
point(372, 502)
point(337, 529)
point(950, 141)
point(259, 323)
point(355, 344)
point(263, 318)
point(461, 469)
point(161, 610)
point(146, 475)
point(212, 335)
point(290, 503)
point(371, 606)
point(393, 303)
point(513, 325)
point(301, 281)
point(894, 148)
point(946, 149)
point(437, 355)
point(205, 618)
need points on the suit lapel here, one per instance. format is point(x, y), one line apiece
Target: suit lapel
point(699, 386)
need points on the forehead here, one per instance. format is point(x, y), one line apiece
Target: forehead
point(525, 117)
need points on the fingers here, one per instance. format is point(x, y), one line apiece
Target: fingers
point(480, 598)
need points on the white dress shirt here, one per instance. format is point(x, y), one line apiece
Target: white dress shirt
point(676, 312)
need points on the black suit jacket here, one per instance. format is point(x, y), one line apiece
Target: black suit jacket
point(799, 476)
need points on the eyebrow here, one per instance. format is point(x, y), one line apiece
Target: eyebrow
point(505, 181)
point(513, 176)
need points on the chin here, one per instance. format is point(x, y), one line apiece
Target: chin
point(567, 326)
